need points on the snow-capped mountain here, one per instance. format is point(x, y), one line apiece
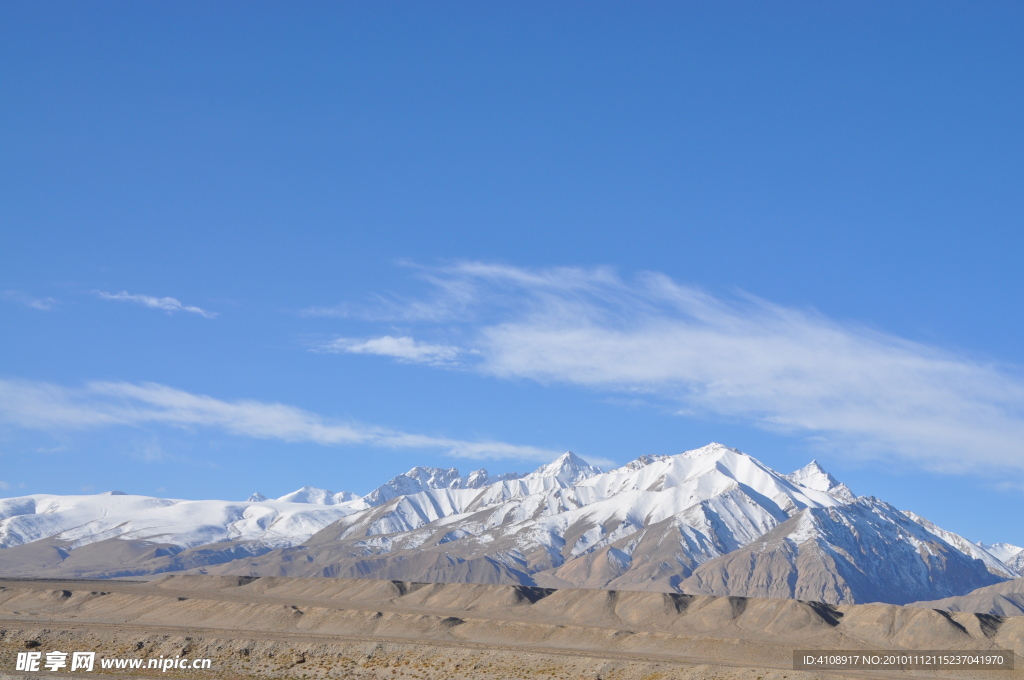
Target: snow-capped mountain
point(863, 551)
point(1011, 555)
point(425, 478)
point(76, 521)
point(710, 520)
point(311, 494)
point(814, 477)
point(992, 563)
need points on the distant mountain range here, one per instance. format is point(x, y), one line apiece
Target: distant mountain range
point(711, 521)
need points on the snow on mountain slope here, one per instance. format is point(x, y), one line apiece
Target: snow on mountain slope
point(662, 515)
point(415, 480)
point(311, 494)
point(80, 520)
point(865, 551)
point(1010, 555)
point(741, 497)
point(566, 470)
point(712, 518)
point(1002, 551)
point(511, 498)
point(704, 473)
point(992, 563)
point(426, 478)
point(814, 477)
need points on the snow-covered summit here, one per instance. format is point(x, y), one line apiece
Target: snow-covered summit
point(1002, 551)
point(478, 479)
point(81, 520)
point(813, 476)
point(568, 469)
point(649, 524)
point(642, 461)
point(421, 479)
point(311, 494)
point(712, 449)
point(414, 481)
point(1010, 555)
point(564, 471)
point(706, 473)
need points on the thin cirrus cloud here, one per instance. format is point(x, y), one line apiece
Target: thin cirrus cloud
point(402, 348)
point(45, 406)
point(42, 304)
point(745, 359)
point(167, 304)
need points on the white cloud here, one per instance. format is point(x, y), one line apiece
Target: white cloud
point(44, 406)
point(745, 358)
point(4, 486)
point(42, 304)
point(167, 304)
point(403, 348)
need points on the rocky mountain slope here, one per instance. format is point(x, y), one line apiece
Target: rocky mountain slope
point(863, 551)
point(713, 520)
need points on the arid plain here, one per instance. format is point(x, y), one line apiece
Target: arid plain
point(294, 628)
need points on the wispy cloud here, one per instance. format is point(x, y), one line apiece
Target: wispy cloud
point(16, 296)
point(449, 298)
point(44, 406)
point(151, 451)
point(167, 304)
point(743, 358)
point(335, 312)
point(402, 348)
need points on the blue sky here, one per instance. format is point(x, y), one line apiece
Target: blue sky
point(251, 246)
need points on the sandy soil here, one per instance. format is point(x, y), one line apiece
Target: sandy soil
point(305, 629)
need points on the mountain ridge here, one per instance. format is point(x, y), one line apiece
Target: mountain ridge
point(712, 519)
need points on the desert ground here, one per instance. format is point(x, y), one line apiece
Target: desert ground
point(311, 628)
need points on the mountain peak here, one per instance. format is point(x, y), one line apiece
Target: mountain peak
point(256, 497)
point(712, 449)
point(644, 461)
point(421, 472)
point(710, 520)
point(813, 469)
point(570, 458)
point(1003, 551)
point(813, 476)
point(315, 496)
point(568, 468)
point(418, 479)
point(478, 479)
